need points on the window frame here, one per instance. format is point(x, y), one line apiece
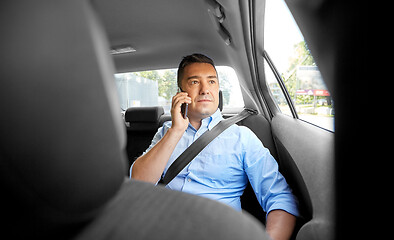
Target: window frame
point(281, 84)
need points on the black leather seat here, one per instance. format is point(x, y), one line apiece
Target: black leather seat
point(61, 167)
point(142, 124)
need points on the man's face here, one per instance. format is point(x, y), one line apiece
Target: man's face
point(201, 83)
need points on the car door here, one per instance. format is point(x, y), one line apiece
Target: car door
point(305, 146)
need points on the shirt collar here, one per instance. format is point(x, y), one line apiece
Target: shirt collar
point(209, 122)
point(215, 119)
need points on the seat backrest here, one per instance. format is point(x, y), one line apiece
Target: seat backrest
point(59, 163)
point(142, 124)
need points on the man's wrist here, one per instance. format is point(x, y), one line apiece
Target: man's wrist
point(176, 133)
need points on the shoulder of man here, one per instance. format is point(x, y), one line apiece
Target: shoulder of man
point(163, 129)
point(243, 130)
point(247, 136)
point(244, 134)
point(167, 124)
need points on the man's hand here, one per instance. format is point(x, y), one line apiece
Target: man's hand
point(178, 122)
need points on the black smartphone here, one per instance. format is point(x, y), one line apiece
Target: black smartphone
point(184, 107)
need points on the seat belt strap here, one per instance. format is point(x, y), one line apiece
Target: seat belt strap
point(197, 146)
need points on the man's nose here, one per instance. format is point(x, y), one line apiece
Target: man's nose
point(204, 88)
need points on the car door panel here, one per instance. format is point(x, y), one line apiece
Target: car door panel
point(306, 154)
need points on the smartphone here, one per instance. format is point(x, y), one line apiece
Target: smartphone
point(184, 107)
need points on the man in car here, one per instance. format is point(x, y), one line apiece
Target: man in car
point(222, 170)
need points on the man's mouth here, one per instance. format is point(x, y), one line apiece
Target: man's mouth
point(205, 99)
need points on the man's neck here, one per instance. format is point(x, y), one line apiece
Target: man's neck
point(195, 123)
point(196, 120)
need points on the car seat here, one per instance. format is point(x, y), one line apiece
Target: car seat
point(62, 158)
point(142, 124)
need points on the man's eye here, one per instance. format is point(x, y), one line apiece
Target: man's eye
point(212, 81)
point(194, 82)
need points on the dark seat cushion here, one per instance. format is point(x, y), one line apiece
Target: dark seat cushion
point(137, 213)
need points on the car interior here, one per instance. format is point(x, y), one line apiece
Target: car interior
point(66, 149)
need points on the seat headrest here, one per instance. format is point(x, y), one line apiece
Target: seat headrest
point(220, 100)
point(143, 118)
point(58, 166)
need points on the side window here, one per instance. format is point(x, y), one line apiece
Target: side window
point(276, 91)
point(296, 68)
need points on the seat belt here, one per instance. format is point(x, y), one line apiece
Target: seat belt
point(197, 146)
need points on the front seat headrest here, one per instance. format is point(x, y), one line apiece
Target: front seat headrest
point(59, 163)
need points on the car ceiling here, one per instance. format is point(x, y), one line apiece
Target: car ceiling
point(162, 32)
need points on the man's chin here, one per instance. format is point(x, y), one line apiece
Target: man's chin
point(204, 112)
point(207, 112)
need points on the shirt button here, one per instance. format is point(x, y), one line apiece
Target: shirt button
point(189, 180)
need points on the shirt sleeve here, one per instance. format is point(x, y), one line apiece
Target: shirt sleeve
point(269, 185)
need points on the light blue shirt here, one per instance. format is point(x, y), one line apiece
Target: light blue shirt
point(222, 169)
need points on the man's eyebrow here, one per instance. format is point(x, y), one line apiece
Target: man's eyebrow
point(192, 77)
point(198, 77)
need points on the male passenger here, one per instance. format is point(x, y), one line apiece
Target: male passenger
point(221, 171)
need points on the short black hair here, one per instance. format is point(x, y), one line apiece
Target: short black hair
point(193, 58)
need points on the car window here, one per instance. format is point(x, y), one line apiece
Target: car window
point(296, 67)
point(157, 87)
point(276, 91)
